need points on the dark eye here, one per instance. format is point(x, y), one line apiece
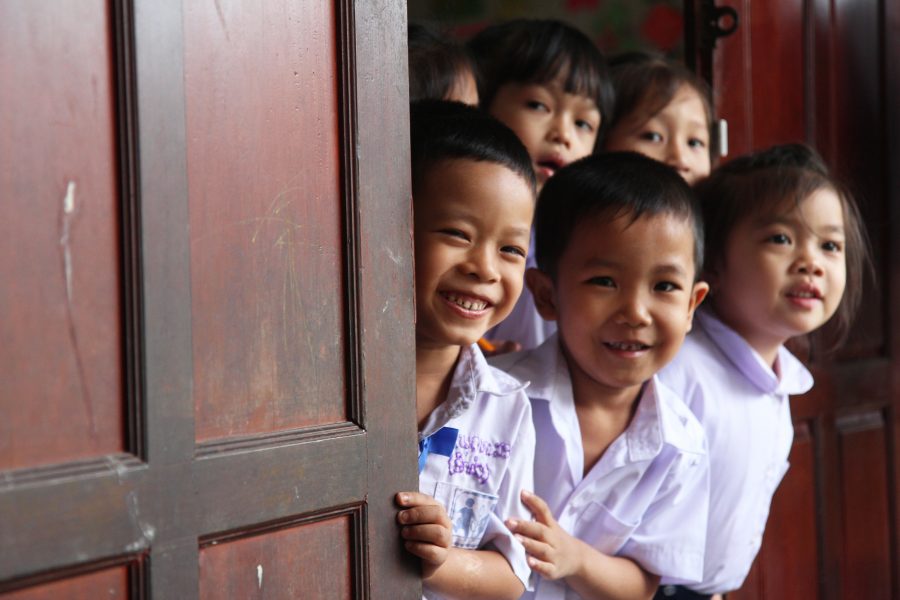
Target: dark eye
point(454, 233)
point(696, 143)
point(666, 286)
point(779, 238)
point(651, 136)
point(514, 250)
point(602, 281)
point(537, 105)
point(832, 247)
point(584, 125)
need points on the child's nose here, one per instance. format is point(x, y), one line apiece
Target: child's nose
point(808, 261)
point(676, 156)
point(482, 265)
point(633, 311)
point(561, 130)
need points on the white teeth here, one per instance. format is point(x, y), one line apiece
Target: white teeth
point(626, 346)
point(465, 303)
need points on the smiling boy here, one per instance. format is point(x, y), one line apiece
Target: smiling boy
point(473, 197)
point(621, 472)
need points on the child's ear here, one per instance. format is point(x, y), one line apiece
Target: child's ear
point(698, 293)
point(544, 292)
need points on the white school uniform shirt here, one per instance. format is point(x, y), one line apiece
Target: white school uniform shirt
point(645, 498)
point(491, 462)
point(524, 324)
point(743, 406)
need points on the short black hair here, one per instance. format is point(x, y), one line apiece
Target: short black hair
point(610, 185)
point(435, 64)
point(645, 83)
point(442, 130)
point(539, 51)
point(770, 180)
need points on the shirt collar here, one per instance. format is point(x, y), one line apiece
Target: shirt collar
point(794, 378)
point(650, 428)
point(471, 376)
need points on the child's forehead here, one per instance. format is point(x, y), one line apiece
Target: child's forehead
point(447, 184)
point(611, 229)
point(560, 84)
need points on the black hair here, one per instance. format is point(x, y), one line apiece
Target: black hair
point(645, 82)
point(441, 130)
point(435, 64)
point(539, 51)
point(610, 185)
point(772, 180)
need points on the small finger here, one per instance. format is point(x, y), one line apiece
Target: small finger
point(427, 552)
point(431, 534)
point(534, 548)
point(531, 529)
point(424, 514)
point(544, 569)
point(414, 499)
point(538, 507)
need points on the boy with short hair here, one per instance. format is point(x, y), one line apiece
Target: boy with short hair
point(473, 197)
point(621, 471)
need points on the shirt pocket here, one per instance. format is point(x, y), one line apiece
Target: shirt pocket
point(603, 530)
point(469, 511)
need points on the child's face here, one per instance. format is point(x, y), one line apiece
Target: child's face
point(624, 298)
point(678, 135)
point(472, 228)
point(555, 126)
point(784, 274)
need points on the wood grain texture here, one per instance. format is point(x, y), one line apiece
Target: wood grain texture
point(108, 584)
point(262, 114)
point(308, 561)
point(59, 236)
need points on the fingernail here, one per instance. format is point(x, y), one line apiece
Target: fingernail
point(526, 494)
point(404, 517)
point(404, 498)
point(512, 523)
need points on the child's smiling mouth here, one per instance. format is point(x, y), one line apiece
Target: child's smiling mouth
point(469, 304)
point(627, 347)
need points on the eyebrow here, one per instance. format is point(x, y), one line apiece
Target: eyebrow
point(663, 269)
point(518, 231)
point(765, 222)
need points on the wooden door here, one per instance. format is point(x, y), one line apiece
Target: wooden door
point(206, 321)
point(829, 73)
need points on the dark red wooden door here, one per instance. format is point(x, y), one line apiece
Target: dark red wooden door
point(829, 73)
point(206, 321)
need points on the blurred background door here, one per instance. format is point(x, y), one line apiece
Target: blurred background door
point(206, 322)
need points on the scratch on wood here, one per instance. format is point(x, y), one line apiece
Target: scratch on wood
point(222, 19)
point(148, 532)
point(66, 219)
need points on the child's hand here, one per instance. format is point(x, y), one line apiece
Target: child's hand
point(426, 528)
point(552, 553)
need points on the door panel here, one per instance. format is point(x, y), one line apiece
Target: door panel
point(61, 371)
point(110, 584)
point(266, 248)
point(279, 565)
point(250, 240)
